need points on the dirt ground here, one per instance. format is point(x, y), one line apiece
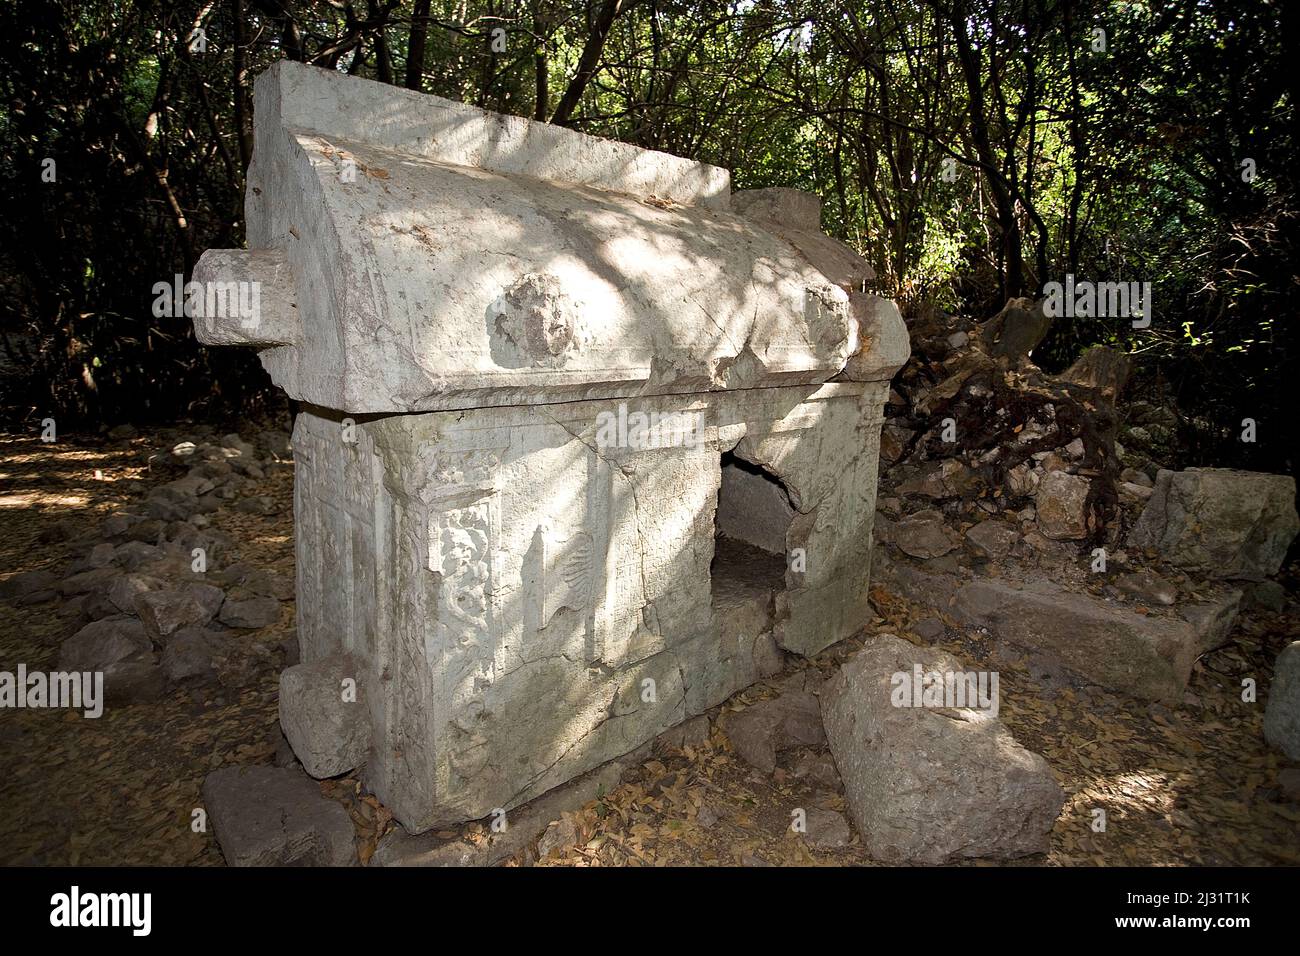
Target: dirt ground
point(1192, 784)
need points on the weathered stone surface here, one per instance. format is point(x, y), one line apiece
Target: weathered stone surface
point(1148, 586)
point(924, 535)
point(1060, 500)
point(754, 508)
point(86, 581)
point(250, 613)
point(526, 596)
point(191, 654)
point(269, 816)
point(120, 648)
point(401, 848)
point(1282, 714)
point(763, 729)
point(930, 786)
point(1147, 656)
point(941, 479)
point(124, 591)
point(165, 611)
point(673, 251)
point(130, 555)
point(323, 714)
point(992, 538)
point(820, 769)
point(111, 640)
point(1222, 522)
point(1016, 331)
point(826, 829)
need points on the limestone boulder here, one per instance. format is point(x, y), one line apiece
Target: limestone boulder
point(1144, 655)
point(323, 714)
point(932, 786)
point(993, 538)
point(166, 611)
point(924, 535)
point(102, 643)
point(1219, 521)
point(763, 729)
point(1282, 714)
point(1061, 503)
point(272, 816)
point(251, 613)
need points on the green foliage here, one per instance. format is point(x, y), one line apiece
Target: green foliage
point(970, 149)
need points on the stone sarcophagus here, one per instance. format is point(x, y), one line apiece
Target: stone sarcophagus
point(587, 439)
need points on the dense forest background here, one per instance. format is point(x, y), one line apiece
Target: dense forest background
point(972, 150)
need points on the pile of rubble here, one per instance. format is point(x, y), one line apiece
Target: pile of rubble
point(151, 605)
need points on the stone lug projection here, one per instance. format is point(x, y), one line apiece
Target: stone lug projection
point(532, 362)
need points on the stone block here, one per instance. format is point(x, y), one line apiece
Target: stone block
point(928, 785)
point(272, 816)
point(323, 714)
point(1219, 521)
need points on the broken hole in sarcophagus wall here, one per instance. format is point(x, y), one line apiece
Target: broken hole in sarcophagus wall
point(752, 524)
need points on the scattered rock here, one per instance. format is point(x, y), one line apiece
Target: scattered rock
point(1146, 656)
point(820, 768)
point(269, 816)
point(1134, 477)
point(1061, 505)
point(930, 786)
point(1222, 522)
point(257, 505)
point(924, 535)
point(559, 834)
point(827, 830)
point(1147, 586)
point(323, 713)
point(101, 555)
point(1282, 714)
point(190, 655)
point(166, 611)
point(112, 640)
point(251, 613)
point(1132, 493)
point(761, 730)
point(993, 538)
point(122, 593)
point(86, 581)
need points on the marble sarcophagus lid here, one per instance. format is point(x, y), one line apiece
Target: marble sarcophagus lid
point(587, 441)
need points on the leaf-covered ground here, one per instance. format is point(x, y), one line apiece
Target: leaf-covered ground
point(1192, 784)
